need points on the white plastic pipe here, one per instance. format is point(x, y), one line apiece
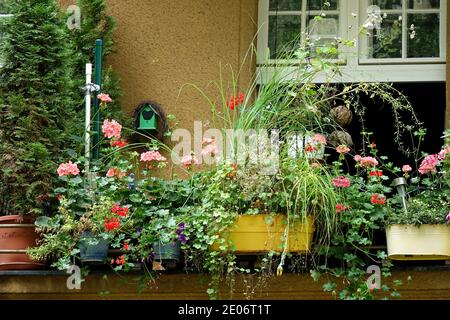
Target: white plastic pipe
point(87, 152)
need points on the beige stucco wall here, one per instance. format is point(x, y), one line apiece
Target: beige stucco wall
point(162, 45)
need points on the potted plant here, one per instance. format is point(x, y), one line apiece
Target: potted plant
point(95, 211)
point(269, 215)
point(418, 225)
point(361, 206)
point(240, 210)
point(163, 219)
point(87, 222)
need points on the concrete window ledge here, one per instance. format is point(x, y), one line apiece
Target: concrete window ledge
point(427, 283)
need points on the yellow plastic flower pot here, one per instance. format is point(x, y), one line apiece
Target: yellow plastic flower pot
point(252, 234)
point(425, 242)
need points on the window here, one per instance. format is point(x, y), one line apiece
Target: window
point(407, 30)
point(291, 21)
point(396, 40)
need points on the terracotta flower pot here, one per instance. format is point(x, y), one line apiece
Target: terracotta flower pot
point(17, 234)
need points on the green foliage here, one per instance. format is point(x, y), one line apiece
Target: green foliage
point(427, 208)
point(36, 104)
point(428, 193)
point(97, 24)
point(298, 191)
point(359, 217)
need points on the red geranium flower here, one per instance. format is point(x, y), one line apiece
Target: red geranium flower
point(121, 260)
point(111, 224)
point(120, 211)
point(341, 208)
point(310, 148)
point(378, 199)
point(119, 143)
point(376, 173)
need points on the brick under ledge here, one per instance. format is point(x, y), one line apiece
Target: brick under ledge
point(427, 283)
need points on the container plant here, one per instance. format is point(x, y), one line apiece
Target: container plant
point(361, 208)
point(418, 224)
point(240, 210)
point(97, 209)
point(87, 223)
point(163, 220)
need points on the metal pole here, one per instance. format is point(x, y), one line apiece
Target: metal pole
point(98, 81)
point(87, 150)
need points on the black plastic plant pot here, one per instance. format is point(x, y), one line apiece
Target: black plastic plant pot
point(93, 250)
point(169, 251)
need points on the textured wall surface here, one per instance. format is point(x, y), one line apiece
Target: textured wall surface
point(161, 45)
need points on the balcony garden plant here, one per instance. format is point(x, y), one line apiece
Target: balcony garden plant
point(240, 210)
point(98, 210)
point(294, 105)
point(163, 221)
point(361, 208)
point(418, 224)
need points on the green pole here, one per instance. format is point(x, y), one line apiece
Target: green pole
point(98, 80)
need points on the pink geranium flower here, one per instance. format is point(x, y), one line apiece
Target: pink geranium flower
point(429, 164)
point(406, 168)
point(104, 98)
point(152, 156)
point(110, 173)
point(210, 147)
point(66, 169)
point(115, 172)
point(342, 149)
point(188, 161)
point(443, 153)
point(357, 158)
point(319, 138)
point(368, 162)
point(111, 129)
point(208, 141)
point(341, 182)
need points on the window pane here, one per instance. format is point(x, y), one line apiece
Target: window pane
point(388, 4)
point(424, 4)
point(386, 42)
point(284, 33)
point(323, 32)
point(423, 35)
point(320, 5)
point(324, 27)
point(285, 5)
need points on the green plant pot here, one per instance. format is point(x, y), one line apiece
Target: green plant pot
point(93, 253)
point(169, 251)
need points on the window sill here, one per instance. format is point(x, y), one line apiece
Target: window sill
point(366, 73)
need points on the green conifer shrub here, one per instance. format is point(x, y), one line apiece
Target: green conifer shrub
point(36, 104)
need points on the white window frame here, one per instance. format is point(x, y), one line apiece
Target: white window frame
point(354, 67)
